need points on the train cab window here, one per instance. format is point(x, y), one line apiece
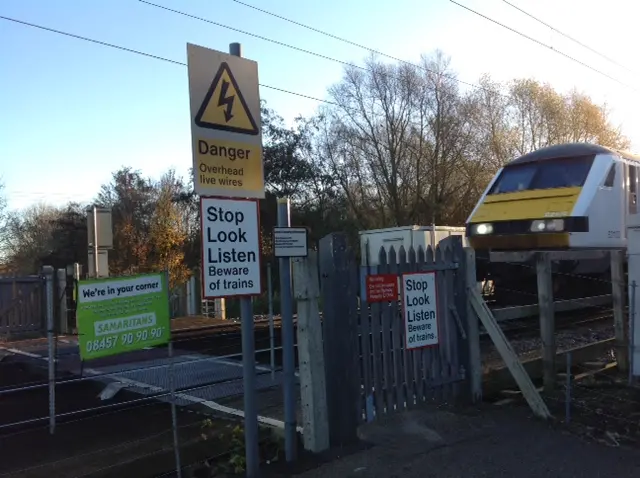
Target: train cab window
point(549, 174)
point(611, 177)
point(514, 179)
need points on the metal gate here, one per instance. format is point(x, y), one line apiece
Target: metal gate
point(394, 375)
point(22, 306)
point(369, 371)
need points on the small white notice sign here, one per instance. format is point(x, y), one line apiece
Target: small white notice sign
point(420, 309)
point(290, 242)
point(230, 247)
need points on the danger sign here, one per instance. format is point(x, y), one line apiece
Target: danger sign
point(225, 124)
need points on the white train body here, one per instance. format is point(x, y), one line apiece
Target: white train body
point(568, 196)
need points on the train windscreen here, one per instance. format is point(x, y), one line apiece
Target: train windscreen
point(549, 174)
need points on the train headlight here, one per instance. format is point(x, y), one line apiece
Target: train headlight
point(547, 225)
point(483, 229)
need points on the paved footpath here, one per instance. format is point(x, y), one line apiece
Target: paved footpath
point(494, 442)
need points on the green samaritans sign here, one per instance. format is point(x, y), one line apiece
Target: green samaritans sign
point(122, 314)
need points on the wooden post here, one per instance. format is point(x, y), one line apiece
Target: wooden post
point(313, 394)
point(621, 325)
point(547, 319)
point(191, 296)
point(340, 331)
point(63, 320)
point(221, 309)
point(474, 358)
point(509, 356)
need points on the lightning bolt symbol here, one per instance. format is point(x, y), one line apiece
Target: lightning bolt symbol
point(224, 101)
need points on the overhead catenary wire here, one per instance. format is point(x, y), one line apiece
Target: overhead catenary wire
point(320, 100)
point(352, 43)
point(142, 53)
point(177, 62)
point(299, 49)
point(534, 40)
point(378, 52)
point(568, 37)
point(346, 63)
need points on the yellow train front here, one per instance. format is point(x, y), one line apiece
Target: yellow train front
point(572, 196)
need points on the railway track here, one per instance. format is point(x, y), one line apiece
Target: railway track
point(564, 321)
point(496, 380)
point(515, 328)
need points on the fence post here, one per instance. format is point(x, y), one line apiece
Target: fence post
point(547, 320)
point(466, 283)
point(77, 275)
point(197, 291)
point(62, 298)
point(272, 357)
point(220, 306)
point(47, 272)
point(632, 340)
point(174, 413)
point(340, 286)
point(306, 289)
point(567, 399)
point(288, 341)
point(619, 322)
point(191, 296)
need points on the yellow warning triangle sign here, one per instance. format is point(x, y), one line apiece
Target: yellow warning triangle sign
point(224, 107)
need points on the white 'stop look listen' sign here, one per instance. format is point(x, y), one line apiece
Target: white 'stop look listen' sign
point(419, 297)
point(230, 247)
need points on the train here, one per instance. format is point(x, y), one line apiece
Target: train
point(572, 196)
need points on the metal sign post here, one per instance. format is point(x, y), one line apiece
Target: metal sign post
point(227, 163)
point(288, 352)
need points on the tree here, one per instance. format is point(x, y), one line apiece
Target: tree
point(395, 140)
point(152, 222)
point(286, 169)
point(69, 238)
point(29, 237)
point(405, 146)
point(543, 117)
point(131, 199)
point(167, 230)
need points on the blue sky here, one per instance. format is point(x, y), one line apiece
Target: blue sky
point(72, 112)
